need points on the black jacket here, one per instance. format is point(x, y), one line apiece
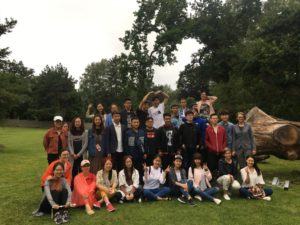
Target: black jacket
point(110, 139)
point(163, 139)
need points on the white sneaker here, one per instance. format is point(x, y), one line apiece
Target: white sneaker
point(140, 200)
point(198, 198)
point(217, 201)
point(267, 198)
point(226, 197)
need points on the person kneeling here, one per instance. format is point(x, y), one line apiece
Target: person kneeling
point(129, 189)
point(179, 184)
point(107, 182)
point(57, 196)
point(200, 175)
point(154, 176)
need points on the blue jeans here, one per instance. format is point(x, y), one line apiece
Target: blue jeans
point(153, 194)
point(176, 191)
point(244, 192)
point(207, 193)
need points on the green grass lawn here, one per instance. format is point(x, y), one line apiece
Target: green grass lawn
point(23, 161)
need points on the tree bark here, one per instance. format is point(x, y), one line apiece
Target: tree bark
point(275, 136)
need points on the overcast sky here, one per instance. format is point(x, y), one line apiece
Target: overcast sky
point(76, 33)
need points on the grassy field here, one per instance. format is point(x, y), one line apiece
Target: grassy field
point(23, 160)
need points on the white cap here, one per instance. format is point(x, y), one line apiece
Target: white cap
point(57, 118)
point(84, 162)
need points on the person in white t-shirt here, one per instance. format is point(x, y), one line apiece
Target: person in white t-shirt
point(157, 110)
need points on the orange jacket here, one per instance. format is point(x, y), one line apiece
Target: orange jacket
point(49, 172)
point(50, 141)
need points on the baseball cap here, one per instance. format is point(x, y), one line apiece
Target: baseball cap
point(84, 162)
point(57, 118)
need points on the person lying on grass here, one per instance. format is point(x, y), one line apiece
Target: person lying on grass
point(180, 186)
point(57, 196)
point(129, 189)
point(84, 193)
point(252, 186)
point(107, 182)
point(200, 175)
point(154, 176)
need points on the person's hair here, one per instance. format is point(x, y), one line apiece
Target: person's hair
point(189, 112)
point(149, 118)
point(182, 99)
point(135, 118)
point(195, 110)
point(193, 165)
point(213, 114)
point(201, 92)
point(174, 105)
point(166, 114)
point(241, 113)
point(255, 166)
point(127, 99)
point(73, 128)
point(110, 172)
point(115, 113)
point(64, 150)
point(56, 165)
point(101, 125)
point(224, 112)
point(155, 157)
point(155, 97)
point(103, 111)
point(128, 172)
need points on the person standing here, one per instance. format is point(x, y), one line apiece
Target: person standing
point(95, 139)
point(99, 110)
point(205, 105)
point(189, 139)
point(157, 109)
point(183, 108)
point(55, 140)
point(216, 142)
point(135, 145)
point(176, 118)
point(78, 141)
point(228, 127)
point(243, 143)
point(142, 111)
point(127, 113)
point(168, 144)
point(151, 141)
point(109, 119)
point(114, 139)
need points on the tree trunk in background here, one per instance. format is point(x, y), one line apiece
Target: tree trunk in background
point(275, 136)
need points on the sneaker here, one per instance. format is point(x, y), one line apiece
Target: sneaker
point(217, 201)
point(73, 205)
point(191, 202)
point(140, 200)
point(65, 216)
point(58, 218)
point(267, 198)
point(226, 197)
point(37, 213)
point(198, 198)
point(182, 200)
point(121, 201)
point(97, 205)
point(110, 208)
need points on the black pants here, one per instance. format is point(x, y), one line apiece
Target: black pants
point(166, 160)
point(137, 194)
point(51, 158)
point(117, 158)
point(212, 162)
point(138, 164)
point(188, 157)
point(76, 167)
point(59, 197)
point(204, 155)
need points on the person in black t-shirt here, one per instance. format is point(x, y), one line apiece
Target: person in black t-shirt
point(142, 111)
point(151, 142)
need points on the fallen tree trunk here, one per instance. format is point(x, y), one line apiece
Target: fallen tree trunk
point(275, 136)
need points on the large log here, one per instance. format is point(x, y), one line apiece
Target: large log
point(275, 136)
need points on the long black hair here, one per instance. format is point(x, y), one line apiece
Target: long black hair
point(101, 125)
point(58, 164)
point(73, 128)
point(258, 171)
point(193, 165)
point(128, 172)
point(110, 172)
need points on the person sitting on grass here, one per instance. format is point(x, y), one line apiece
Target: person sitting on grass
point(228, 173)
point(64, 159)
point(84, 188)
point(129, 189)
point(57, 196)
point(154, 176)
point(200, 175)
point(252, 186)
point(107, 182)
point(180, 186)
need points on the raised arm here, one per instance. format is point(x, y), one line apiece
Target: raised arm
point(165, 95)
point(144, 99)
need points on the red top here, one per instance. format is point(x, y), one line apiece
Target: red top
point(215, 142)
point(49, 172)
point(50, 141)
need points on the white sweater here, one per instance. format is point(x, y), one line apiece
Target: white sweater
point(254, 178)
point(154, 179)
point(135, 179)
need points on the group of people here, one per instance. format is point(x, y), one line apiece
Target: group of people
point(148, 154)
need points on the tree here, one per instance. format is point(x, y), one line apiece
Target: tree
point(54, 93)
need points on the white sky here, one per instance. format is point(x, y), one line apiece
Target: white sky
point(76, 33)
